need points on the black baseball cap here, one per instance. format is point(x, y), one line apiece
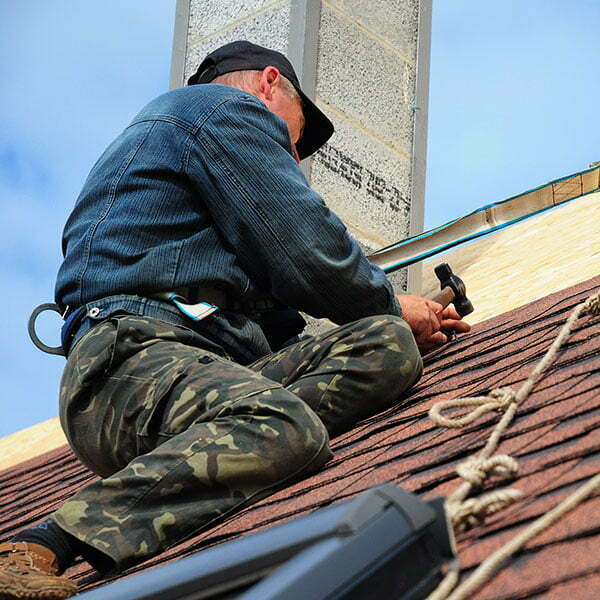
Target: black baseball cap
point(245, 56)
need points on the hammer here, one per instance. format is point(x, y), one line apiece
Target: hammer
point(453, 290)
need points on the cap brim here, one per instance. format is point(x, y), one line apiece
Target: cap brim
point(317, 129)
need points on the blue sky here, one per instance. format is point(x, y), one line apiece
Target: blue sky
point(514, 88)
point(514, 91)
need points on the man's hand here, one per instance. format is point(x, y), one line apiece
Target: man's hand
point(429, 321)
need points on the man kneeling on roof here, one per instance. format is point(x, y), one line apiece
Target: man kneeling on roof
point(198, 204)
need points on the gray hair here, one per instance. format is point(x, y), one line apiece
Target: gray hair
point(248, 81)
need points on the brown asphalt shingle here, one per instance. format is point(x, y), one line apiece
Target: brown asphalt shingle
point(555, 437)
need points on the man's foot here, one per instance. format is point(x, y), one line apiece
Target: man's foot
point(29, 571)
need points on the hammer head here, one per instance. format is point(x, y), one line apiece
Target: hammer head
point(449, 279)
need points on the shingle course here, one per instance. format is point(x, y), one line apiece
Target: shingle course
point(555, 437)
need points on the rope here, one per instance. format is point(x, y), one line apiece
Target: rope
point(498, 399)
point(466, 513)
point(448, 583)
point(492, 563)
point(472, 512)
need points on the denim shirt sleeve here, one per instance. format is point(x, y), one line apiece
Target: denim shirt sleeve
point(284, 236)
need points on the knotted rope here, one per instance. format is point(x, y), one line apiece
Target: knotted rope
point(465, 513)
point(473, 511)
point(498, 399)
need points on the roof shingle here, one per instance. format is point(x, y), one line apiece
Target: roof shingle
point(555, 436)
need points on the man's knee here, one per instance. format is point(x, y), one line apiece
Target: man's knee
point(311, 440)
point(399, 339)
point(300, 441)
point(388, 341)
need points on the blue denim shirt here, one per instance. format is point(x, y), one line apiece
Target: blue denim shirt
point(201, 189)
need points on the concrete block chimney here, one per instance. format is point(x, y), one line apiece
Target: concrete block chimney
point(367, 65)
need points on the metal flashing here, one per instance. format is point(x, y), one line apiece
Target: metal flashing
point(180, 37)
point(487, 219)
point(419, 149)
point(303, 49)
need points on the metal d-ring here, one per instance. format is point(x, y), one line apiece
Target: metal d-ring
point(31, 328)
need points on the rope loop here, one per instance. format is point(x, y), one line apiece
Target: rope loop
point(499, 399)
point(476, 470)
point(473, 511)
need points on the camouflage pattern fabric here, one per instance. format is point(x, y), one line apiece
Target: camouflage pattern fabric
point(184, 437)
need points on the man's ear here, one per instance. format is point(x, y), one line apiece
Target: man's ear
point(269, 78)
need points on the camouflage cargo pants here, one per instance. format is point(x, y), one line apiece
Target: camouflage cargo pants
point(183, 437)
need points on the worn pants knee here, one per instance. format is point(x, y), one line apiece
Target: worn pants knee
point(350, 372)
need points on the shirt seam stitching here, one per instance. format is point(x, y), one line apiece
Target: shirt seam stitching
point(110, 201)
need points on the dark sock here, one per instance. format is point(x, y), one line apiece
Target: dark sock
point(50, 535)
point(66, 546)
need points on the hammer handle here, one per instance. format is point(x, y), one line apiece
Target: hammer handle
point(444, 297)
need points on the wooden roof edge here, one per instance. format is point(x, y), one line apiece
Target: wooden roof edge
point(31, 442)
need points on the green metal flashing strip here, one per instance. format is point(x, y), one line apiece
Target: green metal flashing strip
point(487, 219)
